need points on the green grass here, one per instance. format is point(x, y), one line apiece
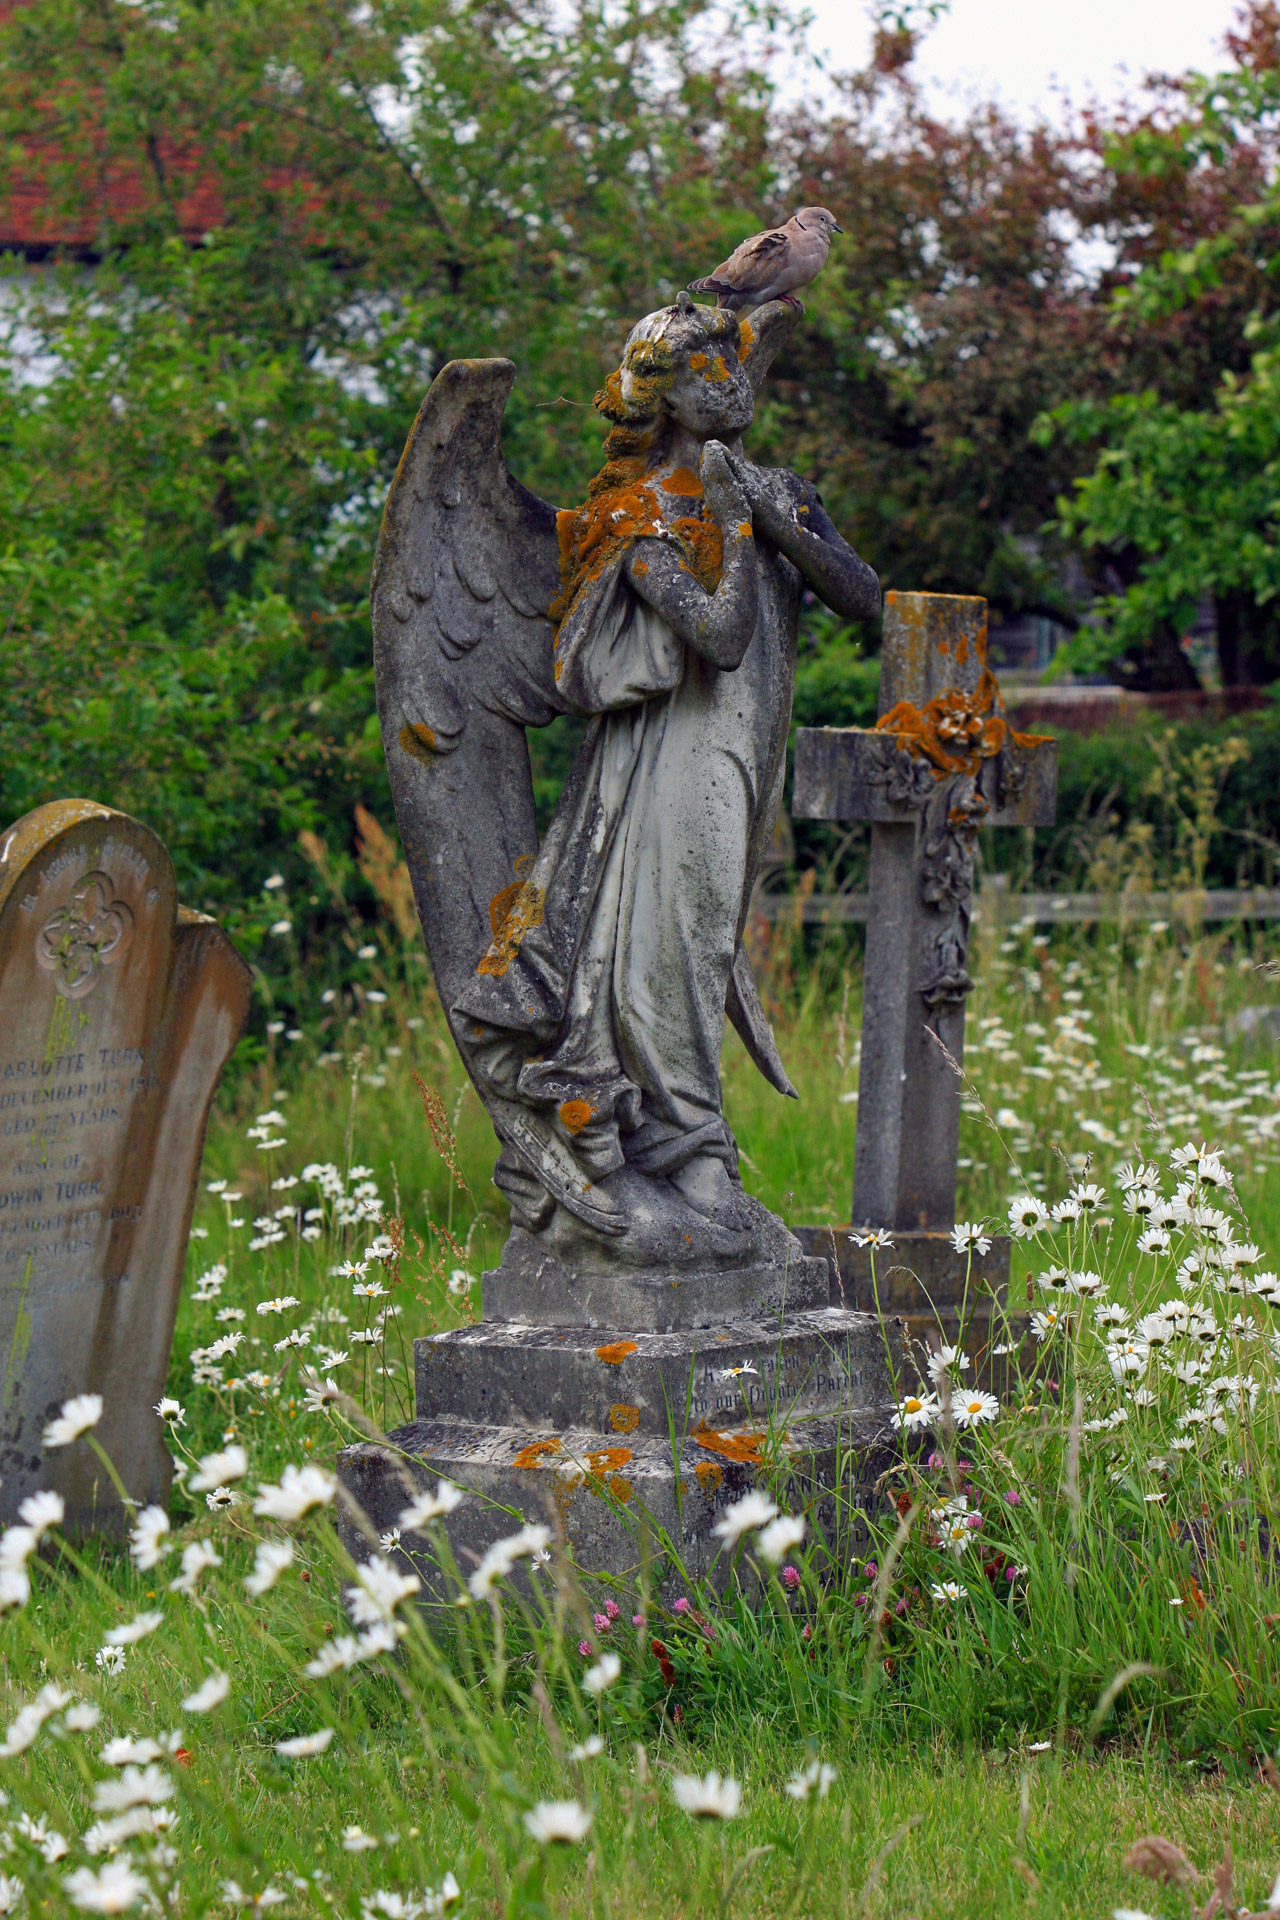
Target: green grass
point(440, 1752)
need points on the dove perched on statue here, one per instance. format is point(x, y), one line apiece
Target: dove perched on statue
point(773, 265)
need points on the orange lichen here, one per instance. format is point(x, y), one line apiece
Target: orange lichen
point(962, 649)
point(613, 1356)
point(536, 1452)
point(608, 1459)
point(624, 1419)
point(683, 481)
point(625, 500)
point(744, 528)
point(746, 340)
point(955, 731)
point(742, 1447)
point(575, 1115)
point(717, 372)
point(708, 1476)
point(640, 567)
point(697, 361)
point(559, 668)
point(620, 1488)
point(419, 742)
point(513, 913)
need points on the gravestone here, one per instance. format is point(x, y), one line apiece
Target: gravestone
point(118, 1010)
point(654, 1341)
point(941, 763)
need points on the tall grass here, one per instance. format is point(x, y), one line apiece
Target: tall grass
point(1031, 1686)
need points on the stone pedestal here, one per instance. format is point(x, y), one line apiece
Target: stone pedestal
point(927, 1286)
point(606, 1433)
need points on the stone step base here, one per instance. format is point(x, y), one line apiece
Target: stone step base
point(614, 1503)
point(615, 1384)
point(532, 1288)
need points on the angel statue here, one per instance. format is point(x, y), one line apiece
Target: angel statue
point(586, 980)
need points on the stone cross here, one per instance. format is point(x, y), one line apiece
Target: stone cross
point(118, 1009)
point(941, 762)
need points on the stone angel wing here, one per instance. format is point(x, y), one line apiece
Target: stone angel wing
point(467, 565)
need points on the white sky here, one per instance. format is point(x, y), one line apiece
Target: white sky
point(1023, 51)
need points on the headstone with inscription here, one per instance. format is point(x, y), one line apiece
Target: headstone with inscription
point(118, 1010)
point(941, 763)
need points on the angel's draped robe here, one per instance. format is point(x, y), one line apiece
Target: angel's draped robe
point(608, 1016)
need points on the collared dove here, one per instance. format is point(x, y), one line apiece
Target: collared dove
point(772, 265)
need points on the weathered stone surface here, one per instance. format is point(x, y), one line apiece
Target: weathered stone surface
point(609, 1382)
point(841, 775)
point(532, 1287)
point(929, 1288)
point(587, 979)
point(118, 1009)
point(942, 764)
point(643, 1430)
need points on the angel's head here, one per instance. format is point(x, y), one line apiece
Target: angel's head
point(682, 363)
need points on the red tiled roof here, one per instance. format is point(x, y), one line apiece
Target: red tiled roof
point(33, 220)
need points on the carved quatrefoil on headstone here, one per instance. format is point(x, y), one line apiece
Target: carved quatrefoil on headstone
point(92, 930)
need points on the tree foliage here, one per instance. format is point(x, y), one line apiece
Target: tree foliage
point(282, 216)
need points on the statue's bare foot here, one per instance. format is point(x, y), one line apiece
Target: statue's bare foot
point(707, 1185)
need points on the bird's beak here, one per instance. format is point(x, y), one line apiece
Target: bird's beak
point(835, 228)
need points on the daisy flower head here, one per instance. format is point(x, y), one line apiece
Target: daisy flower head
point(1044, 1325)
point(1155, 1240)
point(148, 1530)
point(1126, 1357)
point(915, 1411)
point(171, 1412)
point(1088, 1195)
point(76, 1417)
point(1067, 1210)
point(974, 1407)
point(218, 1469)
point(502, 1556)
point(872, 1237)
point(590, 1749)
point(946, 1592)
point(133, 1630)
point(1085, 1284)
point(1027, 1215)
point(774, 1542)
point(1128, 1176)
point(945, 1361)
point(299, 1490)
point(197, 1557)
point(711, 1798)
point(599, 1678)
point(558, 1823)
point(427, 1506)
point(306, 1746)
point(969, 1236)
point(755, 1509)
point(814, 1781)
point(380, 1589)
point(115, 1888)
point(210, 1694)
